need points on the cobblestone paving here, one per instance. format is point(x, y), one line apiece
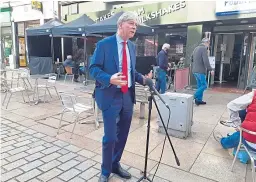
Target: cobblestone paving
point(27, 155)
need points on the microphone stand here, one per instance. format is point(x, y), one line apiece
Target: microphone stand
point(144, 177)
point(150, 98)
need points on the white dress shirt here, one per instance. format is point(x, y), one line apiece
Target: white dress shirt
point(120, 57)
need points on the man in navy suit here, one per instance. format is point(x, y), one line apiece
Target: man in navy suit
point(113, 68)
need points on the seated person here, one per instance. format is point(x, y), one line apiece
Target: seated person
point(235, 106)
point(247, 120)
point(181, 63)
point(69, 62)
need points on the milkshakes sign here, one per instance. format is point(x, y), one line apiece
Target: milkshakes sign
point(149, 13)
point(224, 8)
point(144, 17)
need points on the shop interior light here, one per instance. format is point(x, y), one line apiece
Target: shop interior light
point(219, 23)
point(244, 21)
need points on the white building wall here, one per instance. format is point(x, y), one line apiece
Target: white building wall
point(26, 13)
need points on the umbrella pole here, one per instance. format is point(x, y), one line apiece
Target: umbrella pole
point(52, 49)
point(86, 62)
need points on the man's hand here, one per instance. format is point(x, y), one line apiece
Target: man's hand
point(212, 72)
point(116, 79)
point(149, 75)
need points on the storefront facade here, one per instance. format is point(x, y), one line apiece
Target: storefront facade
point(183, 24)
point(5, 33)
point(27, 15)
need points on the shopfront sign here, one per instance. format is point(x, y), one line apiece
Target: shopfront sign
point(147, 13)
point(224, 8)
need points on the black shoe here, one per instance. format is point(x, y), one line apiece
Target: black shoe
point(202, 102)
point(103, 178)
point(121, 172)
point(197, 102)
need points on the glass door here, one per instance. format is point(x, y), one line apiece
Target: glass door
point(253, 51)
point(247, 59)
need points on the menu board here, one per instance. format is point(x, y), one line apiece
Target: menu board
point(212, 61)
point(22, 57)
point(179, 48)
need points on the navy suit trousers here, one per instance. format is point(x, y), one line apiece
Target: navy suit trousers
point(117, 120)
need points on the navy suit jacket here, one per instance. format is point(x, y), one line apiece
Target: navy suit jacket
point(104, 64)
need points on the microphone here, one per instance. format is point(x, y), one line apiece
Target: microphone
point(150, 84)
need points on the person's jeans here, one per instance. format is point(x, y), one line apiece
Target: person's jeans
point(232, 141)
point(201, 86)
point(161, 81)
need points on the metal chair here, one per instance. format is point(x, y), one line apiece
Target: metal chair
point(89, 89)
point(13, 91)
point(50, 83)
point(69, 72)
point(24, 74)
point(251, 153)
point(70, 104)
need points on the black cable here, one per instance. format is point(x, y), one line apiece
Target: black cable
point(163, 144)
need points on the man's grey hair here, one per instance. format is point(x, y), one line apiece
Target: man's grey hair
point(166, 46)
point(205, 40)
point(127, 16)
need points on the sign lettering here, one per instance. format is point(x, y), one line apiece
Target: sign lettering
point(143, 17)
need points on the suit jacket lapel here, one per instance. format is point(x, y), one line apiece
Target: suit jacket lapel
point(115, 49)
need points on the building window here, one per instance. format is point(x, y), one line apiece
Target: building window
point(74, 9)
point(145, 45)
point(21, 29)
point(177, 43)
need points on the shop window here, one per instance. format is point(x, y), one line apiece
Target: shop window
point(21, 29)
point(145, 45)
point(177, 43)
point(72, 9)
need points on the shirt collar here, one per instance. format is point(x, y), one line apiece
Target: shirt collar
point(119, 39)
point(165, 52)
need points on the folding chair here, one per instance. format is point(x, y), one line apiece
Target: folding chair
point(13, 91)
point(69, 72)
point(251, 153)
point(70, 104)
point(24, 74)
point(50, 83)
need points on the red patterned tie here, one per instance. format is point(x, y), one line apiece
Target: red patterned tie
point(125, 69)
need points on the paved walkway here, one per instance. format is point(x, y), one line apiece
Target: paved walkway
point(31, 150)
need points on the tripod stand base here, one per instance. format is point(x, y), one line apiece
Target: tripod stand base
point(143, 178)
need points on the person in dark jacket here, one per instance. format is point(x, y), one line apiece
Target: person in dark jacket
point(68, 62)
point(78, 58)
point(201, 66)
point(162, 62)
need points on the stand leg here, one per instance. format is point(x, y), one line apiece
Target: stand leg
point(166, 132)
point(147, 144)
point(144, 177)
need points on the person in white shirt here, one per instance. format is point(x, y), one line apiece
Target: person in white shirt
point(237, 112)
point(237, 109)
